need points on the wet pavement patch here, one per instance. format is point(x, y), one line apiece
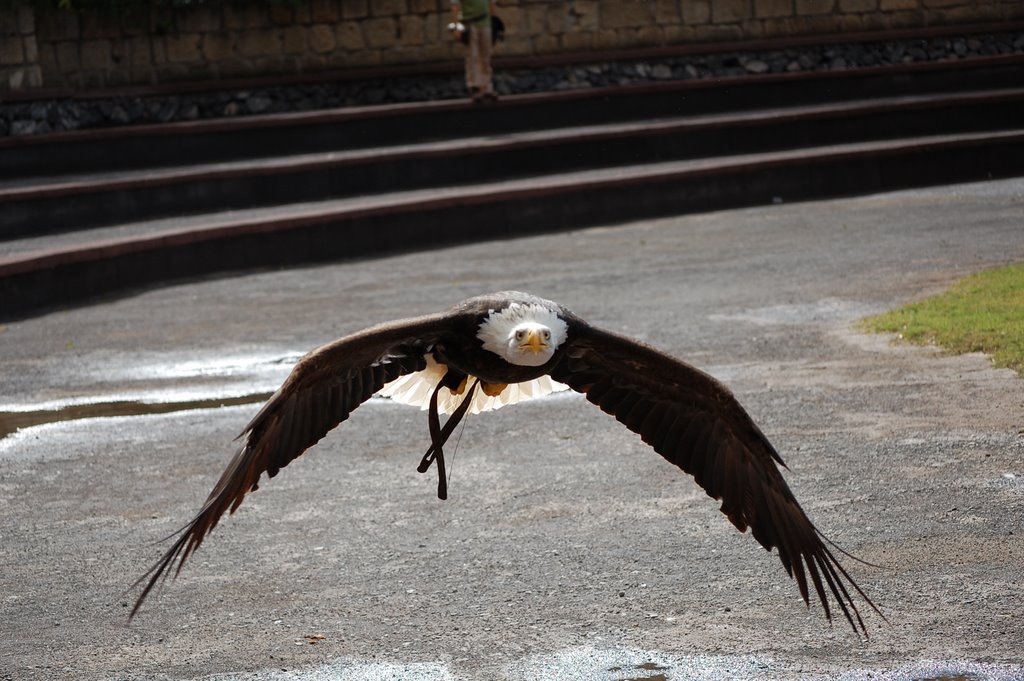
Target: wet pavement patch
point(588, 663)
point(645, 667)
point(11, 421)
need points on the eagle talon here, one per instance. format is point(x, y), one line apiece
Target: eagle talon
point(492, 389)
point(462, 387)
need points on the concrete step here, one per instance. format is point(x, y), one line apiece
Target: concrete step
point(112, 197)
point(82, 265)
point(184, 144)
point(81, 217)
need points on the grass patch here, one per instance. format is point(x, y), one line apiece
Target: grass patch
point(980, 313)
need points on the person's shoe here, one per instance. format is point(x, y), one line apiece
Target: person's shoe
point(491, 96)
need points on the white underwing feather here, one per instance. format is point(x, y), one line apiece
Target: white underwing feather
point(416, 388)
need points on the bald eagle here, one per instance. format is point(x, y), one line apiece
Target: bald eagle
point(506, 347)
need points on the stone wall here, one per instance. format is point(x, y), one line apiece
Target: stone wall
point(66, 50)
point(19, 51)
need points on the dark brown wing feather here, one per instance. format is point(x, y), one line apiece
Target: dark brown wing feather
point(320, 392)
point(695, 422)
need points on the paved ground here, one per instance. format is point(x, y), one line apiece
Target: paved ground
point(567, 549)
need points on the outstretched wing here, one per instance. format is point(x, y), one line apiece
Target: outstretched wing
point(320, 392)
point(695, 422)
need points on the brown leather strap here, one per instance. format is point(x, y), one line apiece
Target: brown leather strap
point(439, 435)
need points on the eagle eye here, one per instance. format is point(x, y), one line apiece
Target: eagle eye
point(546, 334)
point(520, 334)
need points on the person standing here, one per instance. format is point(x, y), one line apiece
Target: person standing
point(475, 18)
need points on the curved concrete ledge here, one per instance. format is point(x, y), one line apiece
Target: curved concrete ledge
point(105, 199)
point(35, 282)
point(284, 134)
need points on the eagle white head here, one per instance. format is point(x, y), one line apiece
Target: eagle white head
point(524, 335)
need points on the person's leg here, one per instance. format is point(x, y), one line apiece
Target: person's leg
point(485, 83)
point(472, 71)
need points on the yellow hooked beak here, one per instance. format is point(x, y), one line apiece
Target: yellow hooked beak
point(534, 341)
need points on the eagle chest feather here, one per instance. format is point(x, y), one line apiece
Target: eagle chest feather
point(472, 360)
